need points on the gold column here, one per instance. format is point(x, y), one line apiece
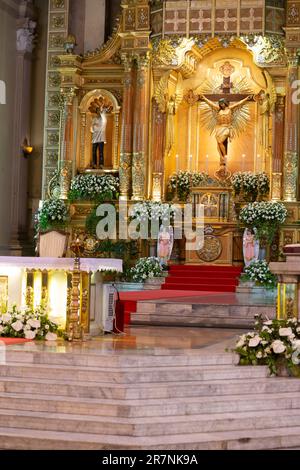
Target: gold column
point(277, 146)
point(126, 139)
point(140, 120)
point(290, 163)
point(116, 140)
point(65, 142)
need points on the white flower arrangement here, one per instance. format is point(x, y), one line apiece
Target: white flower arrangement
point(89, 187)
point(28, 324)
point(265, 216)
point(250, 184)
point(259, 272)
point(53, 212)
point(273, 343)
point(153, 211)
point(146, 268)
point(183, 181)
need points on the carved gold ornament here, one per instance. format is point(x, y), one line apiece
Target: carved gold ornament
point(211, 250)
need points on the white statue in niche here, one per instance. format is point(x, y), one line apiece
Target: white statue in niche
point(26, 37)
point(2, 92)
point(250, 246)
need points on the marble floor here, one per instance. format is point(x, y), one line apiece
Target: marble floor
point(145, 340)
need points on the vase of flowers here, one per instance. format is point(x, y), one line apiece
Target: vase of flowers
point(250, 186)
point(181, 183)
point(53, 213)
point(275, 343)
point(28, 324)
point(266, 217)
point(149, 271)
point(258, 272)
point(96, 188)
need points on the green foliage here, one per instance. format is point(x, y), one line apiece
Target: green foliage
point(259, 272)
point(273, 343)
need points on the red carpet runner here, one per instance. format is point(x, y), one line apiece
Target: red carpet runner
point(202, 278)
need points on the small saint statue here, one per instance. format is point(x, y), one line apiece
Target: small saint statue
point(165, 244)
point(98, 130)
point(250, 247)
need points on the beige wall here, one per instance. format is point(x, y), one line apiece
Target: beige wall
point(7, 74)
point(94, 24)
point(37, 107)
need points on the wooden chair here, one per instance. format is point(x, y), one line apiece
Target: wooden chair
point(52, 244)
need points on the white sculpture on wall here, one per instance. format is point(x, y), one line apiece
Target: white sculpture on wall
point(2, 92)
point(26, 36)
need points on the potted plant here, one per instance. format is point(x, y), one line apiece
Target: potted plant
point(148, 271)
point(275, 343)
point(263, 281)
point(53, 214)
point(181, 183)
point(264, 218)
point(96, 188)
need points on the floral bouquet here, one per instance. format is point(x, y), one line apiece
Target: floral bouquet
point(250, 184)
point(28, 324)
point(265, 216)
point(153, 211)
point(273, 343)
point(53, 213)
point(181, 183)
point(259, 272)
point(90, 187)
point(146, 268)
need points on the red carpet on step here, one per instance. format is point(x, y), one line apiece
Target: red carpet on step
point(130, 299)
point(203, 278)
point(8, 341)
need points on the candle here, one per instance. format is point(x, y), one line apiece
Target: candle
point(258, 162)
point(243, 162)
point(190, 162)
point(177, 163)
point(206, 164)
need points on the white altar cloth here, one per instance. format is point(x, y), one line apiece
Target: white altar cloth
point(61, 264)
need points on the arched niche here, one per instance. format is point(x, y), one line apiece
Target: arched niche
point(112, 133)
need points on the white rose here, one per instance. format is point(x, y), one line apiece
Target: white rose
point(298, 329)
point(285, 331)
point(6, 317)
point(51, 336)
point(1, 329)
point(259, 355)
point(34, 323)
point(254, 341)
point(278, 346)
point(269, 322)
point(29, 334)
point(240, 343)
point(17, 325)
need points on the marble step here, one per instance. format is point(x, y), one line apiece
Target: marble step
point(159, 357)
point(203, 310)
point(142, 427)
point(147, 390)
point(183, 406)
point(131, 375)
point(192, 320)
point(24, 439)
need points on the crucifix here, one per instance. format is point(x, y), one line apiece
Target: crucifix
point(221, 110)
